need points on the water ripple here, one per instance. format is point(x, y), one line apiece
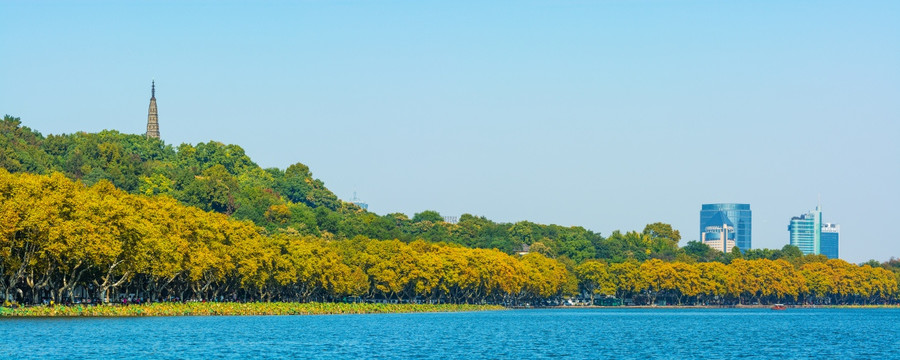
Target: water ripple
point(531, 334)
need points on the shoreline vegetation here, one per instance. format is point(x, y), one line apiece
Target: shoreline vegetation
point(280, 308)
point(63, 242)
point(234, 309)
point(736, 306)
point(118, 218)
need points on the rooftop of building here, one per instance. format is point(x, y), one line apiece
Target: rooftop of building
point(725, 206)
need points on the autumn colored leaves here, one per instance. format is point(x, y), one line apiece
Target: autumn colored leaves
point(760, 281)
point(63, 241)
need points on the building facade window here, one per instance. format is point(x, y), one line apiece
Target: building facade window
point(812, 236)
point(738, 216)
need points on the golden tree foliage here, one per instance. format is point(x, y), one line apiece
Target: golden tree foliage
point(62, 240)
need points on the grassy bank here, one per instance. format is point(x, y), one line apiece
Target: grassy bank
point(209, 309)
point(864, 306)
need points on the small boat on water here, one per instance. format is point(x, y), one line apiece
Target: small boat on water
point(779, 307)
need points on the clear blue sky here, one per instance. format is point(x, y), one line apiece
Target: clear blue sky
point(604, 114)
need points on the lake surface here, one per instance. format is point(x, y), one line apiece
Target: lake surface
point(512, 334)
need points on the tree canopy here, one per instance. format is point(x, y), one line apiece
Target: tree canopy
point(102, 213)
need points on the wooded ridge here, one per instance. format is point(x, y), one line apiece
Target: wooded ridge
point(109, 216)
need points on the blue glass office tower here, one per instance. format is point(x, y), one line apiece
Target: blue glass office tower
point(738, 214)
point(812, 236)
point(806, 232)
point(831, 235)
point(719, 233)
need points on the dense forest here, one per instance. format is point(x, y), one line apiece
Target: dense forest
point(107, 215)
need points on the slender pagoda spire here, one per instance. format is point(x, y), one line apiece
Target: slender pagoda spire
point(152, 117)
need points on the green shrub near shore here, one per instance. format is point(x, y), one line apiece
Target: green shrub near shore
point(231, 308)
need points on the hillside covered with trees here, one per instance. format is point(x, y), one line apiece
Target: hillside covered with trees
point(108, 214)
point(222, 178)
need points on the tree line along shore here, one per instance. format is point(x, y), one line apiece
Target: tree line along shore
point(314, 308)
point(234, 309)
point(110, 217)
point(68, 243)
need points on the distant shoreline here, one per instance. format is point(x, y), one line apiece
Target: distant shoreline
point(232, 309)
point(278, 308)
point(676, 307)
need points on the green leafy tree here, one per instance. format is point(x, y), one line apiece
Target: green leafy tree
point(427, 215)
point(700, 251)
point(791, 252)
point(662, 230)
point(20, 149)
point(214, 190)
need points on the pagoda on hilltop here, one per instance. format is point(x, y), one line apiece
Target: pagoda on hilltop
point(152, 117)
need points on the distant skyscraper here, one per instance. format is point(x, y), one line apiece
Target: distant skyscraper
point(812, 236)
point(719, 233)
point(739, 218)
point(806, 231)
point(152, 117)
point(831, 236)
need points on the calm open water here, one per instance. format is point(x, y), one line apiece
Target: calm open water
point(513, 334)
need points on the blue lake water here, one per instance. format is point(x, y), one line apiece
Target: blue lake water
point(512, 334)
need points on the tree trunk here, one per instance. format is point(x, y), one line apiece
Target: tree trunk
point(108, 283)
